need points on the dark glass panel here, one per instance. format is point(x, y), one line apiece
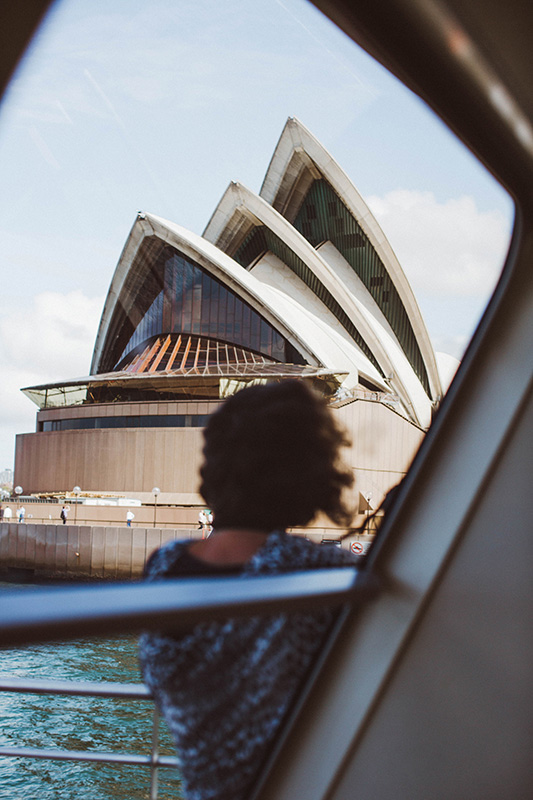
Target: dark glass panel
point(348, 237)
point(140, 421)
point(197, 301)
point(206, 303)
point(253, 246)
point(230, 317)
point(278, 347)
point(187, 297)
point(222, 311)
point(266, 338)
point(190, 300)
point(292, 356)
point(213, 315)
point(142, 285)
point(150, 323)
point(255, 336)
point(246, 323)
point(213, 347)
point(191, 356)
point(168, 294)
point(177, 294)
point(237, 322)
point(202, 359)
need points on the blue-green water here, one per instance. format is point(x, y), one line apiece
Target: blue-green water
point(77, 723)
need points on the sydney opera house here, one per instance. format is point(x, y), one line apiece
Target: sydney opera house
point(297, 281)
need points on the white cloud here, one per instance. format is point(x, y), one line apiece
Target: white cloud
point(48, 339)
point(449, 248)
point(53, 336)
point(453, 345)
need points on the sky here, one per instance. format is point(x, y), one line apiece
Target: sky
point(156, 106)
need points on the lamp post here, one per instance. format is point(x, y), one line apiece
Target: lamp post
point(77, 492)
point(18, 491)
point(368, 498)
point(155, 491)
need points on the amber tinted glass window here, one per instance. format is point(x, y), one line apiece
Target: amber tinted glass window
point(191, 301)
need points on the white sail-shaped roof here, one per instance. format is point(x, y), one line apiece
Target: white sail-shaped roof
point(318, 343)
point(309, 259)
point(240, 210)
point(298, 159)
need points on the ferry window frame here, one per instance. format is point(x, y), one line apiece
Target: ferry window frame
point(517, 180)
point(512, 272)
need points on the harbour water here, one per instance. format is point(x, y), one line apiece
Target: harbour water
point(77, 723)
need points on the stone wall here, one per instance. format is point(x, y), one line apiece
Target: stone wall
point(90, 552)
point(81, 551)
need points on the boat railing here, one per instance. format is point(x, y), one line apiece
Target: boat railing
point(38, 615)
point(35, 616)
point(125, 691)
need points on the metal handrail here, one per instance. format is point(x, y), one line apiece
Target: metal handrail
point(124, 691)
point(131, 691)
point(39, 616)
point(33, 616)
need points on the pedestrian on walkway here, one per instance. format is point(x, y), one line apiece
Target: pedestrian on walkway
point(202, 522)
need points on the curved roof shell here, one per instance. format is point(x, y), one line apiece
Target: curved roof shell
point(299, 166)
point(305, 261)
point(316, 342)
point(241, 214)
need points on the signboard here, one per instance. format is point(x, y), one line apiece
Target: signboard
point(357, 548)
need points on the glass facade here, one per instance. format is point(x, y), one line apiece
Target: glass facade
point(167, 293)
point(324, 217)
point(197, 354)
point(139, 421)
point(260, 240)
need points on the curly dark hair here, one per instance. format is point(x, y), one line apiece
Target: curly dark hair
point(271, 459)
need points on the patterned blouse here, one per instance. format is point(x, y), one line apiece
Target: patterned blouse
point(224, 687)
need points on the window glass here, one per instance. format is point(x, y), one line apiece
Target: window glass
point(124, 109)
point(230, 318)
point(145, 107)
point(197, 302)
point(213, 312)
point(206, 301)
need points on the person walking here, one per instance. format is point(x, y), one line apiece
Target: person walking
point(129, 517)
point(202, 522)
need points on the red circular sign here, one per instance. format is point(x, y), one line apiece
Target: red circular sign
point(357, 548)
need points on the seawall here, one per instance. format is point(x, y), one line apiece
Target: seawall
point(81, 551)
point(103, 552)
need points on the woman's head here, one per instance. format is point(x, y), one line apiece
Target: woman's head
point(271, 459)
